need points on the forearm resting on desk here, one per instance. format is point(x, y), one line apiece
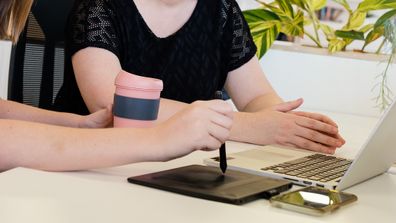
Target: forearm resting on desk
point(14, 110)
point(201, 126)
point(54, 148)
point(279, 124)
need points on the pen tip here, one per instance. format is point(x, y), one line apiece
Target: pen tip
point(223, 169)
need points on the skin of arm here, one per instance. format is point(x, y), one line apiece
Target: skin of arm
point(263, 117)
point(14, 110)
point(201, 126)
point(95, 70)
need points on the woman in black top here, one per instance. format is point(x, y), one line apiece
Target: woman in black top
point(54, 145)
point(196, 47)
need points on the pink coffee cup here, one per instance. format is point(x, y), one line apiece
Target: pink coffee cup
point(136, 100)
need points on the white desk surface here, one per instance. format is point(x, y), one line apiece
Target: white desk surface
point(105, 196)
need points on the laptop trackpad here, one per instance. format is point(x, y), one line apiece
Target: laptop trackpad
point(272, 154)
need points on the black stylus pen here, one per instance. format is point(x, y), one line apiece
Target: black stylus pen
point(222, 150)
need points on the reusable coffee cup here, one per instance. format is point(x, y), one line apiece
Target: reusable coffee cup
point(136, 100)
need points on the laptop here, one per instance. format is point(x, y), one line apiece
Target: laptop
point(308, 168)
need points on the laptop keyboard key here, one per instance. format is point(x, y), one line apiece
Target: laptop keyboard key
point(315, 167)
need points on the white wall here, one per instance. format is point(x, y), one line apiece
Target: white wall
point(5, 50)
point(327, 82)
point(247, 4)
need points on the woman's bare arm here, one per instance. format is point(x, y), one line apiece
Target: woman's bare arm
point(265, 119)
point(14, 110)
point(202, 125)
point(96, 70)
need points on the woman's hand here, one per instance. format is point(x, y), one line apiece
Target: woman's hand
point(100, 119)
point(305, 130)
point(202, 125)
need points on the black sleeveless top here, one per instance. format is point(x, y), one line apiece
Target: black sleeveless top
point(193, 62)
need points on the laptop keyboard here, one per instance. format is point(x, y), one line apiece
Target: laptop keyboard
point(317, 167)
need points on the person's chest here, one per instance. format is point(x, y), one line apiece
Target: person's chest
point(165, 18)
point(197, 41)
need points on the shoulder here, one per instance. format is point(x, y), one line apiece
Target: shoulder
point(96, 2)
point(223, 6)
point(221, 10)
point(85, 10)
point(92, 6)
point(228, 6)
point(227, 10)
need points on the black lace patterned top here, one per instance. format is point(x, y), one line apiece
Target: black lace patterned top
point(193, 62)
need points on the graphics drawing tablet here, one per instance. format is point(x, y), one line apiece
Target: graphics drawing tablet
point(209, 183)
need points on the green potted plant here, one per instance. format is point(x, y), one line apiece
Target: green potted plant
point(292, 17)
point(384, 97)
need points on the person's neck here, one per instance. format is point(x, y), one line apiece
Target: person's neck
point(170, 2)
point(165, 2)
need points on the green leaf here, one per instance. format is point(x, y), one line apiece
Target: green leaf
point(299, 3)
point(317, 4)
point(366, 28)
point(381, 20)
point(356, 20)
point(279, 12)
point(265, 39)
point(259, 27)
point(347, 42)
point(307, 21)
point(373, 35)
point(328, 31)
point(354, 35)
point(370, 5)
point(345, 4)
point(286, 7)
point(336, 45)
point(313, 5)
point(294, 27)
point(257, 15)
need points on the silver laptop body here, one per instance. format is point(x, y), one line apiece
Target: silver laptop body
point(314, 169)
